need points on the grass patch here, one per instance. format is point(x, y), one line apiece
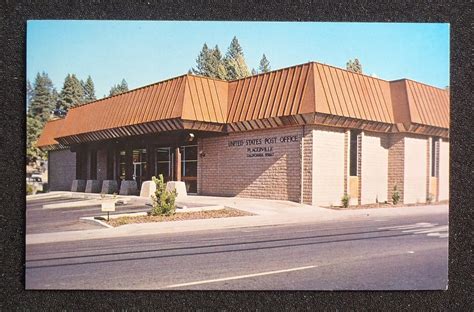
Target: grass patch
point(209, 214)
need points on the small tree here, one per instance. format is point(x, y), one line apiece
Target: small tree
point(264, 66)
point(163, 200)
point(345, 201)
point(395, 195)
point(354, 66)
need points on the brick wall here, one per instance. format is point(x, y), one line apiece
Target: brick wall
point(328, 166)
point(443, 170)
point(396, 165)
point(228, 171)
point(415, 172)
point(62, 170)
point(374, 168)
point(308, 144)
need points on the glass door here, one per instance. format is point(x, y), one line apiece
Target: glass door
point(189, 167)
point(164, 163)
point(139, 166)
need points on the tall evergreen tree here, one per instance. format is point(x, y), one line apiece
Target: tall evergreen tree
point(30, 92)
point(42, 100)
point(71, 94)
point(203, 62)
point(264, 66)
point(354, 66)
point(217, 64)
point(209, 63)
point(119, 88)
point(235, 61)
point(88, 90)
point(33, 130)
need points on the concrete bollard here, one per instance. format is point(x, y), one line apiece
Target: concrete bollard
point(78, 186)
point(93, 186)
point(109, 187)
point(148, 189)
point(128, 187)
point(180, 188)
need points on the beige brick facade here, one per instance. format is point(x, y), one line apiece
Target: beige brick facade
point(415, 172)
point(328, 166)
point(396, 165)
point(232, 165)
point(374, 172)
point(443, 180)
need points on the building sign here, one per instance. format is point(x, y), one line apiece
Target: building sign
point(262, 147)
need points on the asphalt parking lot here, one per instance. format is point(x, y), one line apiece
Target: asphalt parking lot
point(40, 220)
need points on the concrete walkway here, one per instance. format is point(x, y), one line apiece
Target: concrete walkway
point(267, 213)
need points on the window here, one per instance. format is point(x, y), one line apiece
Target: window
point(189, 167)
point(163, 162)
point(122, 165)
point(139, 165)
point(353, 153)
point(434, 157)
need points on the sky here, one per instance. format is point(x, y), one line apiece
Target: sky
point(144, 52)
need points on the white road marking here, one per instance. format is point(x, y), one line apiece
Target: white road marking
point(430, 229)
point(408, 226)
point(240, 277)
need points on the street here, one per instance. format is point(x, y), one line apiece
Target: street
point(390, 253)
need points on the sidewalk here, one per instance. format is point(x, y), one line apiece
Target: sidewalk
point(267, 213)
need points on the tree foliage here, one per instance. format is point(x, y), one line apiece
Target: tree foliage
point(234, 61)
point(119, 88)
point(88, 90)
point(354, 66)
point(33, 130)
point(264, 66)
point(72, 93)
point(210, 62)
point(43, 98)
point(163, 200)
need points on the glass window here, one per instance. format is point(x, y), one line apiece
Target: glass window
point(434, 157)
point(353, 153)
point(189, 167)
point(122, 165)
point(163, 162)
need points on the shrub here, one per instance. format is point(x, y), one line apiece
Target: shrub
point(163, 200)
point(345, 200)
point(395, 195)
point(429, 198)
point(29, 189)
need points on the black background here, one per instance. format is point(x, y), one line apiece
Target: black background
point(14, 15)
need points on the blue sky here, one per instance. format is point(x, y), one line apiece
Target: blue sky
point(147, 52)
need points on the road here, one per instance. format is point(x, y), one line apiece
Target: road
point(390, 253)
point(41, 220)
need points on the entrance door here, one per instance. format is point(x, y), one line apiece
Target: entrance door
point(164, 163)
point(139, 166)
point(189, 167)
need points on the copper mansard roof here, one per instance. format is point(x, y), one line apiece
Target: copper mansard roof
point(310, 93)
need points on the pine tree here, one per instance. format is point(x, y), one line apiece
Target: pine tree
point(354, 66)
point(42, 101)
point(253, 72)
point(33, 130)
point(217, 64)
point(209, 63)
point(264, 66)
point(30, 93)
point(71, 94)
point(88, 90)
point(119, 88)
point(235, 61)
point(203, 62)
